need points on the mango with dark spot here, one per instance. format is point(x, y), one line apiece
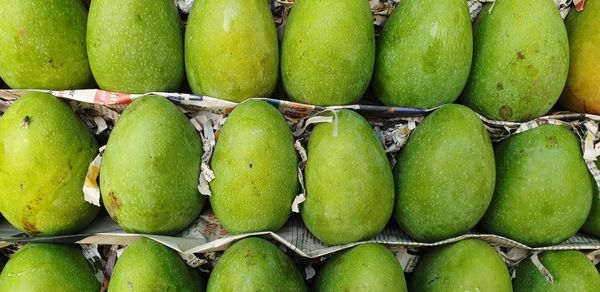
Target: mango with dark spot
point(520, 60)
point(255, 167)
point(445, 175)
point(571, 271)
point(147, 265)
point(135, 46)
point(231, 49)
point(39, 193)
point(582, 92)
point(48, 267)
point(467, 265)
point(254, 264)
point(150, 170)
point(367, 267)
point(349, 181)
point(328, 51)
point(543, 189)
point(428, 68)
point(42, 44)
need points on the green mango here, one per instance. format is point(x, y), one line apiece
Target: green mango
point(467, 265)
point(592, 223)
point(150, 169)
point(135, 46)
point(582, 91)
point(424, 54)
point(543, 190)
point(48, 267)
point(445, 175)
point(255, 166)
point(231, 49)
point(328, 51)
point(367, 267)
point(520, 60)
point(147, 265)
point(254, 264)
point(45, 151)
point(570, 269)
point(42, 44)
point(349, 182)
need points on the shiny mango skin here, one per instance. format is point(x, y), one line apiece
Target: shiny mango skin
point(255, 167)
point(45, 151)
point(255, 264)
point(571, 270)
point(147, 265)
point(424, 54)
point(445, 175)
point(48, 267)
point(42, 44)
point(582, 92)
point(349, 182)
point(150, 169)
point(467, 265)
point(367, 267)
point(543, 189)
point(135, 46)
point(328, 51)
point(231, 49)
point(520, 60)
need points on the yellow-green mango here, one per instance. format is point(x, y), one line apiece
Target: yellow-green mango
point(445, 175)
point(571, 271)
point(48, 267)
point(367, 267)
point(582, 92)
point(45, 151)
point(42, 44)
point(231, 49)
point(135, 46)
point(255, 166)
point(349, 182)
point(150, 169)
point(147, 265)
point(328, 51)
point(543, 189)
point(424, 54)
point(520, 60)
point(254, 264)
point(467, 265)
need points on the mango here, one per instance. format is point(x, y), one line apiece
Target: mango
point(349, 182)
point(570, 269)
point(424, 54)
point(255, 166)
point(135, 46)
point(520, 60)
point(150, 169)
point(592, 223)
point(445, 175)
point(328, 51)
point(147, 265)
point(231, 49)
point(543, 189)
point(467, 265)
point(45, 151)
point(367, 267)
point(254, 264)
point(42, 44)
point(48, 267)
point(582, 92)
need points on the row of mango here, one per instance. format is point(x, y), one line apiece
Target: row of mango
point(255, 264)
point(511, 65)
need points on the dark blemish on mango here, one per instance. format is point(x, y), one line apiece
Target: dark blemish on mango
point(551, 141)
point(114, 201)
point(26, 121)
point(30, 227)
point(520, 56)
point(250, 165)
point(50, 61)
point(505, 112)
point(21, 186)
point(499, 86)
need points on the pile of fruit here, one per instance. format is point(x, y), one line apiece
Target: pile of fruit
point(512, 65)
